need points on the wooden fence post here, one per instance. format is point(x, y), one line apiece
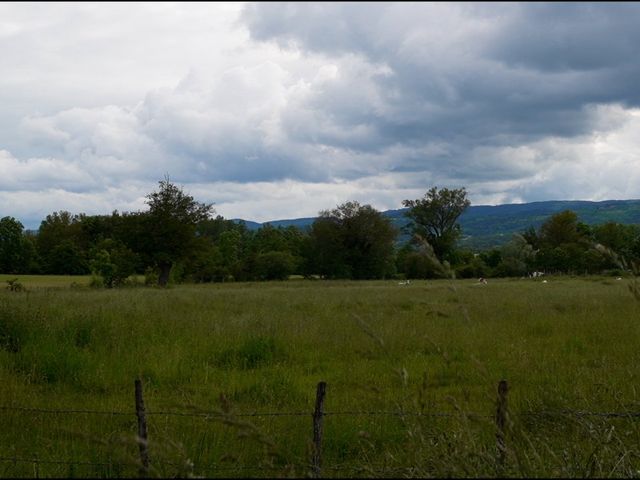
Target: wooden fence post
point(501, 421)
point(318, 415)
point(142, 430)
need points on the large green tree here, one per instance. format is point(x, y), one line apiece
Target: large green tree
point(565, 245)
point(17, 253)
point(172, 221)
point(622, 239)
point(562, 228)
point(516, 257)
point(351, 241)
point(60, 245)
point(434, 218)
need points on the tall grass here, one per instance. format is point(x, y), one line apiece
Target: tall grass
point(430, 347)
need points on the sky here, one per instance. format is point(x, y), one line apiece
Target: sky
point(281, 110)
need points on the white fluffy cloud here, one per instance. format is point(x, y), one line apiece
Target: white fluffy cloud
point(275, 111)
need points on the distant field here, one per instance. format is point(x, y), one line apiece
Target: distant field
point(388, 352)
point(53, 281)
point(46, 280)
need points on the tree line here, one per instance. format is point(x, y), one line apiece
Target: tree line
point(180, 239)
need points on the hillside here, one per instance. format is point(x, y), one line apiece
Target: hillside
point(484, 226)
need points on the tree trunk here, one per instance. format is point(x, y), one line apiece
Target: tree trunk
point(165, 270)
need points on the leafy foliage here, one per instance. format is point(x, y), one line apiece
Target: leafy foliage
point(434, 217)
point(114, 262)
point(351, 241)
point(178, 240)
point(275, 265)
point(17, 251)
point(171, 225)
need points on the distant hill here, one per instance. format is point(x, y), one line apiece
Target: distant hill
point(296, 222)
point(485, 226)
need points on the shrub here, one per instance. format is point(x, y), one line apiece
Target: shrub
point(421, 265)
point(275, 265)
point(15, 286)
point(474, 269)
point(150, 276)
point(113, 262)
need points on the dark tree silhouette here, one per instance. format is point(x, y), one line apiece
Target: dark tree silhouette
point(434, 218)
point(171, 222)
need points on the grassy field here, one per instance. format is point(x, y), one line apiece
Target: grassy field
point(47, 281)
point(386, 351)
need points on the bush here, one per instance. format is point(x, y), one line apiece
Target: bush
point(96, 281)
point(113, 262)
point(476, 268)
point(15, 286)
point(614, 272)
point(275, 265)
point(421, 265)
point(150, 276)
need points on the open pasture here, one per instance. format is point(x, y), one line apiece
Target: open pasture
point(46, 281)
point(388, 352)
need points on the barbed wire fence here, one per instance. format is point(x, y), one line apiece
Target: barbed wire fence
point(315, 465)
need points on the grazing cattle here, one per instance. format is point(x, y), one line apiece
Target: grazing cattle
point(536, 274)
point(482, 280)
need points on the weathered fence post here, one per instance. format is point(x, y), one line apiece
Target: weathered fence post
point(142, 430)
point(318, 415)
point(501, 421)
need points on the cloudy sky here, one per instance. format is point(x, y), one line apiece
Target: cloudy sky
point(275, 111)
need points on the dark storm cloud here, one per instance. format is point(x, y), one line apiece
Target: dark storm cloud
point(498, 74)
point(327, 27)
point(570, 36)
point(285, 109)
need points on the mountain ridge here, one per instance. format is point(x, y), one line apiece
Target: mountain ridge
point(485, 226)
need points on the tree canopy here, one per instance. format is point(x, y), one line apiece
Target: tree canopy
point(177, 240)
point(352, 241)
point(434, 218)
point(171, 225)
point(17, 252)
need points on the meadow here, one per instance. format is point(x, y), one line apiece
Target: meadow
point(411, 373)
